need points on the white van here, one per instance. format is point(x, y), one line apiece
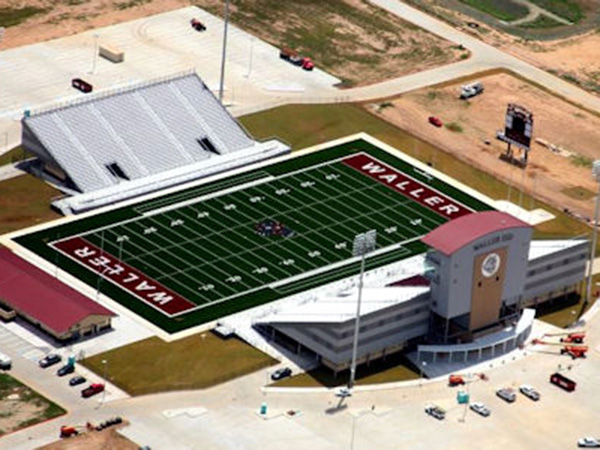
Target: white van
point(5, 362)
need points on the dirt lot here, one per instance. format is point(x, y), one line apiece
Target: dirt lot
point(94, 440)
point(351, 39)
point(564, 181)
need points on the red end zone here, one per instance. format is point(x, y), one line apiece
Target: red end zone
point(407, 186)
point(128, 278)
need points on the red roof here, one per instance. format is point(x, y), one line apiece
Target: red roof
point(455, 234)
point(42, 297)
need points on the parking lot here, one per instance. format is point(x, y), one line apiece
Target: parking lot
point(40, 74)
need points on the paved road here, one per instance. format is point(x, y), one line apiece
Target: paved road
point(484, 56)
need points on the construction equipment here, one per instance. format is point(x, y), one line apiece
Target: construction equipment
point(576, 337)
point(71, 430)
point(573, 350)
point(295, 58)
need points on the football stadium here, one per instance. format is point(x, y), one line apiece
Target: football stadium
point(201, 253)
point(184, 222)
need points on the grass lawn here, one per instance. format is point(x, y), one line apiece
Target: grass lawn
point(25, 201)
point(10, 17)
point(394, 368)
point(579, 193)
point(12, 416)
point(568, 9)
point(196, 362)
point(504, 10)
point(16, 154)
point(566, 311)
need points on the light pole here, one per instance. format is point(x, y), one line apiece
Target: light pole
point(96, 36)
point(251, 56)
point(364, 243)
point(105, 365)
point(120, 240)
point(596, 175)
point(224, 51)
point(100, 275)
point(423, 365)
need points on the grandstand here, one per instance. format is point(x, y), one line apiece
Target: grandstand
point(136, 140)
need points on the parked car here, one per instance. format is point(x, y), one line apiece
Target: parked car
point(435, 411)
point(197, 25)
point(281, 373)
point(49, 360)
point(76, 380)
point(480, 409)
point(65, 370)
point(507, 394)
point(588, 442)
point(529, 391)
point(92, 389)
point(81, 85)
point(435, 121)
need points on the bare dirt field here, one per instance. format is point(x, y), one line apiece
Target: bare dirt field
point(562, 178)
point(351, 39)
point(94, 440)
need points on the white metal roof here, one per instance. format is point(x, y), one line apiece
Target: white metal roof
point(541, 248)
point(336, 309)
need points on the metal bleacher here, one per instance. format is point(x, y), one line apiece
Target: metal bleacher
point(139, 133)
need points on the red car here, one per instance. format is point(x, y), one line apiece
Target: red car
point(92, 389)
point(435, 121)
point(81, 85)
point(197, 25)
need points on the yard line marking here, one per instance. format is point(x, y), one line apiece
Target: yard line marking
point(345, 273)
point(217, 186)
point(187, 251)
point(328, 266)
point(215, 242)
point(277, 212)
point(345, 262)
point(185, 286)
point(245, 224)
point(208, 196)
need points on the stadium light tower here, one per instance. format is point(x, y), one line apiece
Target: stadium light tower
point(364, 243)
point(223, 55)
point(596, 175)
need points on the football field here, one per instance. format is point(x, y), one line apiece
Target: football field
point(195, 255)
